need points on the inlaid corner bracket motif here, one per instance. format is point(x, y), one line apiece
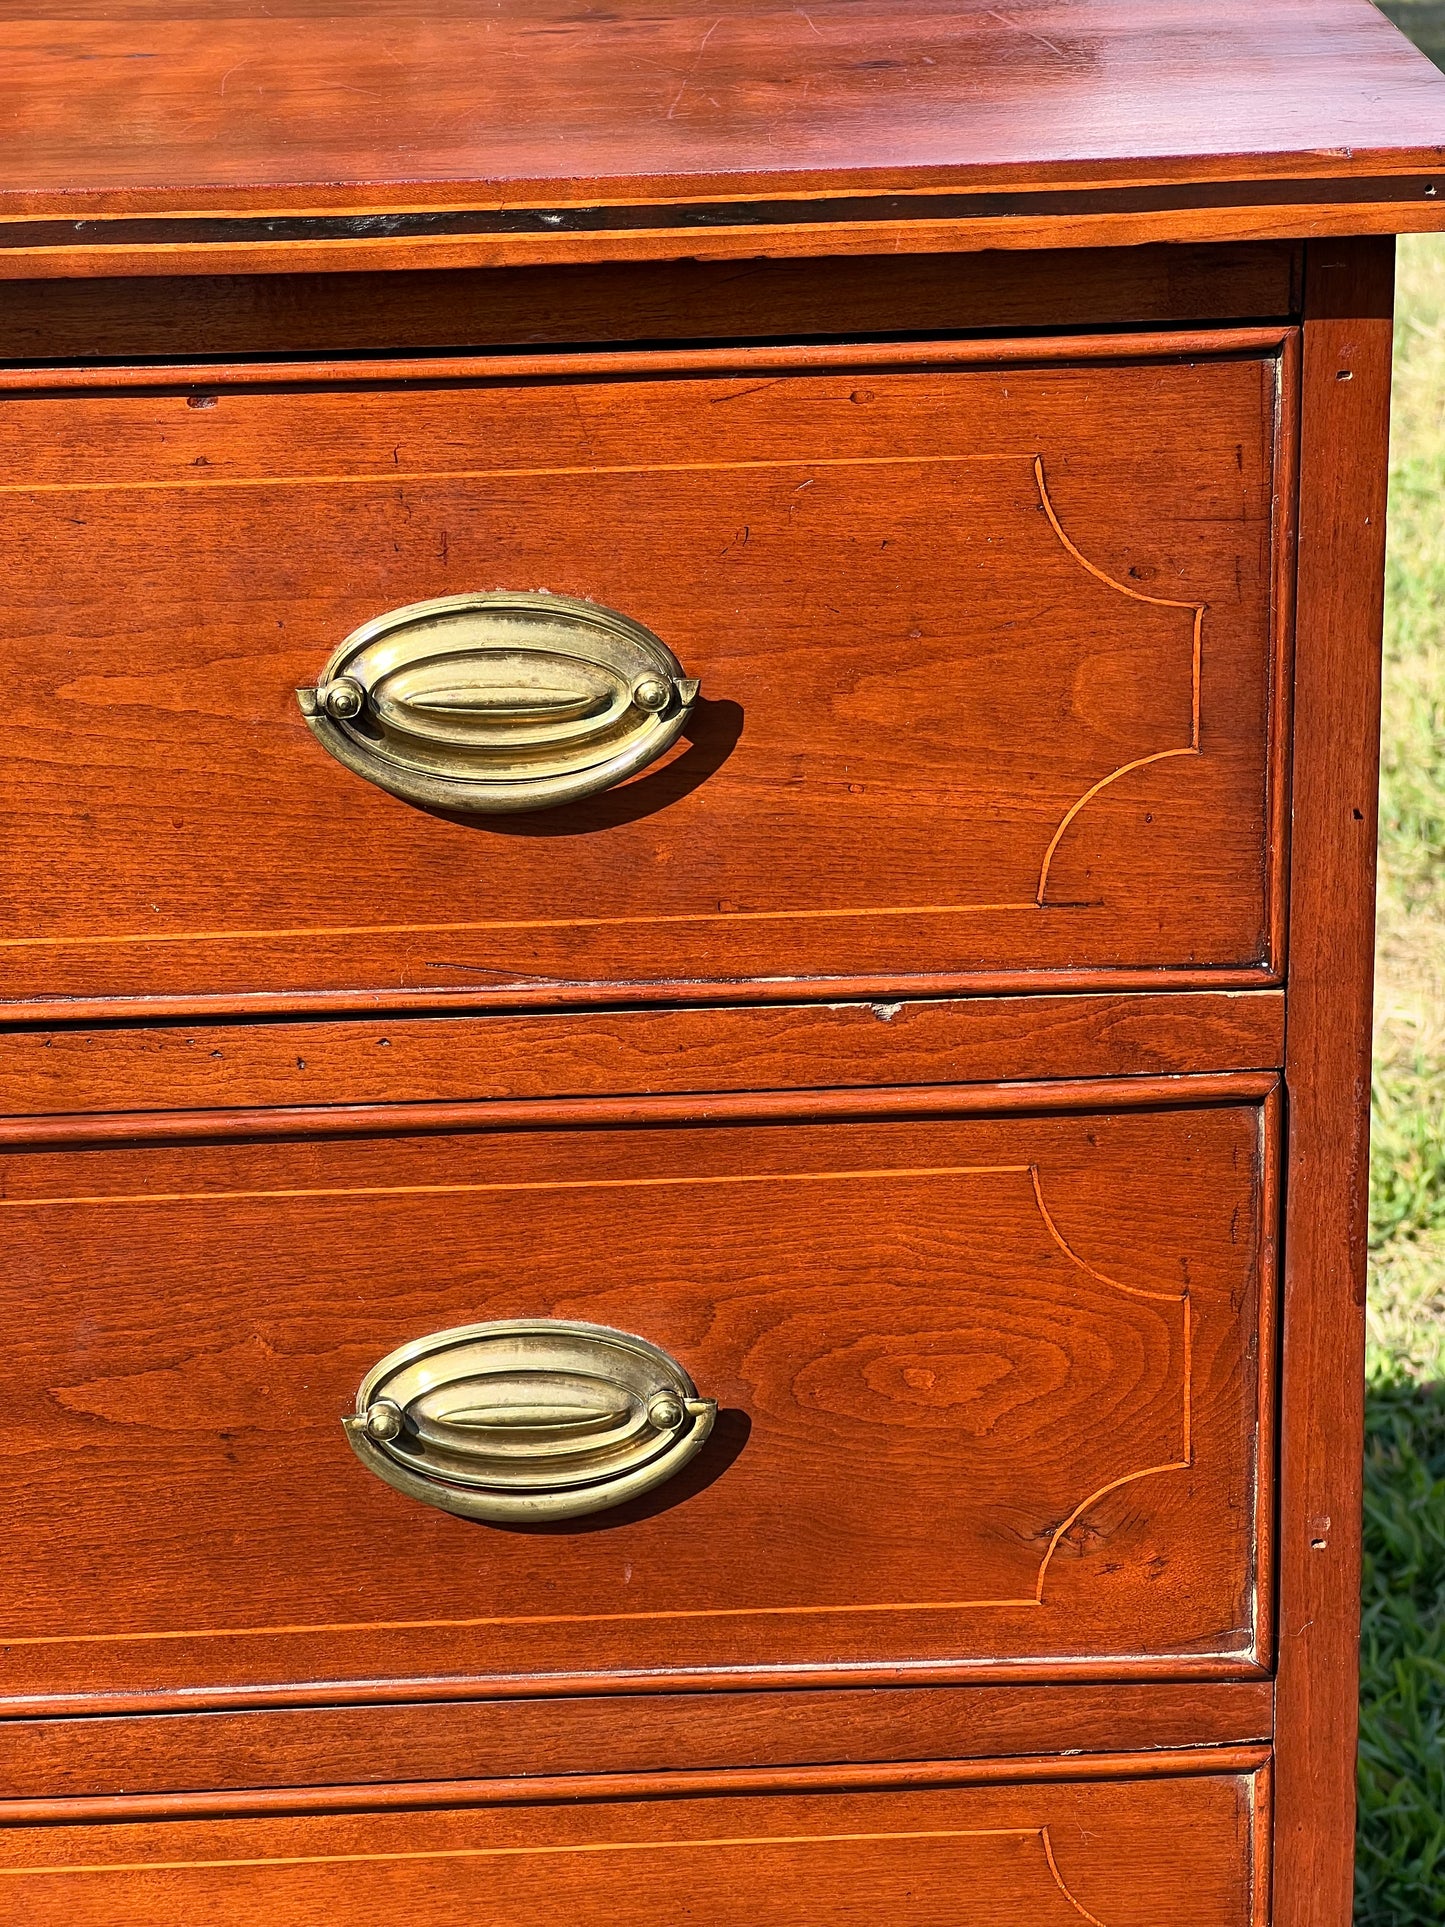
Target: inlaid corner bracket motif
point(1196, 609)
point(1186, 1448)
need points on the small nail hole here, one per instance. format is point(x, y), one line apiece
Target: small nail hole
point(1318, 1545)
point(1345, 374)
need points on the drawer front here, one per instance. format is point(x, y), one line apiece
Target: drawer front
point(272, 1753)
point(1117, 1854)
point(987, 658)
point(991, 1390)
point(539, 1055)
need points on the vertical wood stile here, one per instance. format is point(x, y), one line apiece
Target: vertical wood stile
point(1344, 414)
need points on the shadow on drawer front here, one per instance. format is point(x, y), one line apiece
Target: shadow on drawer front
point(989, 1390)
point(1120, 1854)
point(985, 662)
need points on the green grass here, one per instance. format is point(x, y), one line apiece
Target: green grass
point(1400, 1860)
point(1424, 21)
point(1401, 1853)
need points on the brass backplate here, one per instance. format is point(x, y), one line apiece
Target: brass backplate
point(527, 1419)
point(499, 702)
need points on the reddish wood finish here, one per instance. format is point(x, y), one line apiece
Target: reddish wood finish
point(1033, 1770)
point(887, 227)
point(325, 313)
point(81, 1130)
point(425, 105)
point(901, 1055)
point(849, 803)
point(201, 380)
point(944, 1311)
point(107, 1758)
point(79, 1012)
point(1121, 1853)
point(1337, 690)
point(78, 1130)
point(456, 1060)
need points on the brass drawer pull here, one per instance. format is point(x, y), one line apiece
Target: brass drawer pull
point(481, 703)
point(527, 1419)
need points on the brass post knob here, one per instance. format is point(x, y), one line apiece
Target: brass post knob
point(666, 1412)
point(384, 1420)
point(343, 698)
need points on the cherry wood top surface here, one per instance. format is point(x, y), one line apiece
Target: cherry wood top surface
point(212, 105)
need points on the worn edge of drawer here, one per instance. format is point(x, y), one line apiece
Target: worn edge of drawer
point(75, 1131)
point(454, 310)
point(50, 1072)
point(701, 1683)
point(561, 999)
point(1119, 344)
point(1023, 1769)
point(147, 1756)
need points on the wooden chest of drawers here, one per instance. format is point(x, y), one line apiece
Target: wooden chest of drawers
point(690, 751)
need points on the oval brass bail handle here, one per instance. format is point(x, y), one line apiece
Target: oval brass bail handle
point(527, 1419)
point(481, 703)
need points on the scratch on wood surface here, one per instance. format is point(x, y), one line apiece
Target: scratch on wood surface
point(992, 13)
point(696, 63)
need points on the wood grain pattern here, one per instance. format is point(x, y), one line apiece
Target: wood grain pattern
point(1281, 694)
point(890, 1073)
point(40, 1013)
point(1337, 686)
point(77, 1130)
point(684, 300)
point(453, 1060)
point(1117, 1854)
point(825, 550)
point(1045, 1332)
point(422, 104)
point(139, 1757)
point(199, 380)
point(1035, 1769)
